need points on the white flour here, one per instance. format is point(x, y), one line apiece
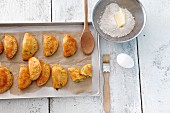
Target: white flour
point(108, 24)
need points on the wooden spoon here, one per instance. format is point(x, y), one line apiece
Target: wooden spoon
point(87, 40)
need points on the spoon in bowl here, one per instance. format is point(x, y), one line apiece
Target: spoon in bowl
point(87, 40)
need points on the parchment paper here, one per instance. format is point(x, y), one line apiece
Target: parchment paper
point(77, 60)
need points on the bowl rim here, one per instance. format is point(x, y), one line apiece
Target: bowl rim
point(143, 26)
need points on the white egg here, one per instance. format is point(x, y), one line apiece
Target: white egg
point(125, 60)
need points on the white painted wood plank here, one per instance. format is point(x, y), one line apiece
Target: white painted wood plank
point(124, 83)
point(76, 105)
point(154, 54)
point(25, 11)
point(24, 106)
point(70, 10)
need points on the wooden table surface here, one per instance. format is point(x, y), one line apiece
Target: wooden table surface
point(142, 89)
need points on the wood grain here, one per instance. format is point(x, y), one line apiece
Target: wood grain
point(106, 92)
point(76, 105)
point(24, 106)
point(70, 10)
point(86, 15)
point(154, 54)
point(25, 11)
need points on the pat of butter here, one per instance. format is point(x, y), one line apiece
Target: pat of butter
point(119, 18)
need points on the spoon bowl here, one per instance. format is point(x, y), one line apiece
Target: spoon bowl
point(87, 42)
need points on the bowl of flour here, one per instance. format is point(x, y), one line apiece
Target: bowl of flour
point(119, 20)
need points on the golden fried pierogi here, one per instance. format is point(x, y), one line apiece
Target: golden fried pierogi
point(45, 74)
point(6, 79)
point(29, 46)
point(59, 76)
point(1, 47)
point(34, 68)
point(75, 74)
point(69, 45)
point(24, 77)
point(86, 70)
point(50, 45)
point(10, 46)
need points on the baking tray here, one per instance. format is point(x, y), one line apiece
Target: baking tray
point(51, 92)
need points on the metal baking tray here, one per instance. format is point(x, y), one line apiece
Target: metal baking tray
point(51, 92)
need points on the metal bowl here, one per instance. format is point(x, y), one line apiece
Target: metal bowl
point(134, 6)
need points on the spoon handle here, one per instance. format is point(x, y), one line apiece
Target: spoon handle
point(86, 28)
